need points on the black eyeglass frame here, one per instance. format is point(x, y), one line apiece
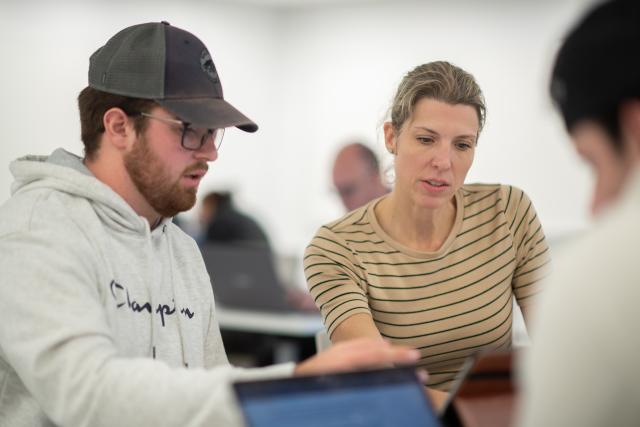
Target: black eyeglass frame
point(186, 127)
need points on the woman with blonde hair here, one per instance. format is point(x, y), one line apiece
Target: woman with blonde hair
point(435, 263)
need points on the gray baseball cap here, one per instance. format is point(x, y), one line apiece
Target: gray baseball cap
point(169, 65)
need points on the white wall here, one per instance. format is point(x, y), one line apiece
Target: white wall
point(312, 77)
point(345, 62)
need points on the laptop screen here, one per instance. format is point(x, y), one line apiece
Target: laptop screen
point(379, 398)
point(244, 277)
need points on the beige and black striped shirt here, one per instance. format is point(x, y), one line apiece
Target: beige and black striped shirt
point(449, 304)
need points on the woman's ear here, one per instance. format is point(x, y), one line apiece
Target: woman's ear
point(117, 127)
point(390, 137)
point(630, 129)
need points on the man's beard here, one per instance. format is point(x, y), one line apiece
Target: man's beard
point(153, 181)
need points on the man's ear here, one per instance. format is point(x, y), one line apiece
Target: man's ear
point(118, 128)
point(630, 128)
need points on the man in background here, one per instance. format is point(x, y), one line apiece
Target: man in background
point(356, 176)
point(583, 367)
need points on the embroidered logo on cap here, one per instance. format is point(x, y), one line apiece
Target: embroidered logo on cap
point(206, 63)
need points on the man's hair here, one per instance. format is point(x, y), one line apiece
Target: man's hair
point(93, 103)
point(596, 71)
point(368, 156)
point(217, 198)
point(440, 81)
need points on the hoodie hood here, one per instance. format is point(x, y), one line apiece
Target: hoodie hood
point(66, 172)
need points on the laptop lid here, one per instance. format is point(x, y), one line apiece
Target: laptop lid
point(377, 398)
point(243, 277)
point(484, 393)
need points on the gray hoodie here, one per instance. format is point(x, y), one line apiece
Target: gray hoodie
point(104, 322)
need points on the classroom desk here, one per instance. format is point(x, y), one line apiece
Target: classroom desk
point(286, 326)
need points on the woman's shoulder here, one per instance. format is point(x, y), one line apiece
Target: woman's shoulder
point(333, 236)
point(340, 234)
point(477, 189)
point(504, 194)
point(356, 220)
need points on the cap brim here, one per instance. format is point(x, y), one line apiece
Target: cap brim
point(208, 113)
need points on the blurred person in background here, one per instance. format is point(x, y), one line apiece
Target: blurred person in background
point(434, 264)
point(221, 222)
point(583, 366)
point(356, 176)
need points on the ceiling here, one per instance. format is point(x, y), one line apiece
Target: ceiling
point(302, 3)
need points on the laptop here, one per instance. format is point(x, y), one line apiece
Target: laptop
point(243, 277)
point(484, 393)
point(376, 398)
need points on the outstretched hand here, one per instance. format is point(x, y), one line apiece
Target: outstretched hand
point(356, 354)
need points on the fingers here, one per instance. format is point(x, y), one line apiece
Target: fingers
point(367, 350)
point(423, 375)
point(404, 354)
point(358, 354)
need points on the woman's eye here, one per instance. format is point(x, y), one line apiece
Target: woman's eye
point(425, 139)
point(463, 146)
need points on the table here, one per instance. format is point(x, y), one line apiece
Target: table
point(286, 326)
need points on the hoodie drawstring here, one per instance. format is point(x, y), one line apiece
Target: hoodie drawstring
point(176, 300)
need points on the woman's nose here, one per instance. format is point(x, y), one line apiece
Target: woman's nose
point(442, 157)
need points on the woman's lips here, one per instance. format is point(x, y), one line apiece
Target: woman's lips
point(435, 185)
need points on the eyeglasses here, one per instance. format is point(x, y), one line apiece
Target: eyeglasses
point(192, 139)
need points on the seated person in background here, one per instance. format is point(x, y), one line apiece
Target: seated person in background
point(222, 222)
point(356, 176)
point(435, 264)
point(108, 318)
point(583, 367)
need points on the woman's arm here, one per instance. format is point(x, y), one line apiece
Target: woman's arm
point(361, 325)
point(531, 249)
point(436, 397)
point(525, 315)
point(357, 326)
point(336, 282)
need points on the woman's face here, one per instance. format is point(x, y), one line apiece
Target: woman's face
point(434, 150)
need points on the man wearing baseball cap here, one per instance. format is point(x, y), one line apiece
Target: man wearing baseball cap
point(583, 368)
point(107, 313)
